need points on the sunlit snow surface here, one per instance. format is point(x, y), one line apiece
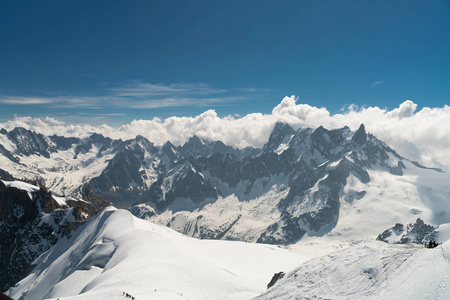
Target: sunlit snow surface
point(371, 270)
point(115, 252)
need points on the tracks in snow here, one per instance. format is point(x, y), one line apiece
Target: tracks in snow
point(443, 283)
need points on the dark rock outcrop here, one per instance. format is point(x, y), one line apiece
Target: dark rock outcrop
point(29, 142)
point(64, 143)
point(282, 132)
point(183, 181)
point(30, 223)
point(4, 175)
point(101, 142)
point(275, 278)
point(414, 233)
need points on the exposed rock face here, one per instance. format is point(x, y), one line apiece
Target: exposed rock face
point(143, 211)
point(8, 154)
point(5, 175)
point(121, 172)
point(198, 148)
point(29, 142)
point(32, 222)
point(183, 181)
point(398, 170)
point(360, 137)
point(281, 135)
point(415, 233)
point(64, 143)
point(275, 278)
point(96, 140)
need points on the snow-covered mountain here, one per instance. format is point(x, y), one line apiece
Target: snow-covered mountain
point(116, 253)
point(303, 183)
point(370, 270)
point(417, 233)
point(32, 220)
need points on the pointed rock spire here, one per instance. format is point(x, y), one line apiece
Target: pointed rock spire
point(360, 136)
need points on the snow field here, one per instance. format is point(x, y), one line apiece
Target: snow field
point(116, 252)
point(371, 270)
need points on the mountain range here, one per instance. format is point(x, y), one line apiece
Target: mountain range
point(304, 182)
point(302, 188)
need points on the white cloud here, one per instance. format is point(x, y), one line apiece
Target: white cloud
point(24, 100)
point(376, 83)
point(419, 135)
point(405, 110)
point(53, 121)
point(139, 89)
point(135, 95)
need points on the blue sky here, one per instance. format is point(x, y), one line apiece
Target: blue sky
point(116, 61)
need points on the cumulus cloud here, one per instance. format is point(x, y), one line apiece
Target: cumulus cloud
point(418, 135)
point(405, 110)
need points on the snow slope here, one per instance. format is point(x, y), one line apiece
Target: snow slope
point(389, 199)
point(116, 252)
point(372, 270)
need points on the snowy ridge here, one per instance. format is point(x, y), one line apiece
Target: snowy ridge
point(372, 270)
point(115, 252)
point(32, 220)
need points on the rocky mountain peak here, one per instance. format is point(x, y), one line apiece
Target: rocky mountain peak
point(29, 142)
point(192, 146)
point(142, 143)
point(170, 151)
point(418, 233)
point(103, 143)
point(281, 135)
point(197, 147)
point(97, 138)
point(360, 136)
point(64, 143)
point(194, 141)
